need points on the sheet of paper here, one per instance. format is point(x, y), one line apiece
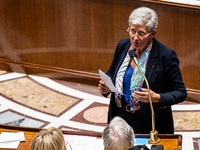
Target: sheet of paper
point(9, 145)
point(108, 81)
point(11, 140)
point(12, 136)
point(83, 142)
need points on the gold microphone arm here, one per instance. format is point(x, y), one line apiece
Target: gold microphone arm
point(153, 134)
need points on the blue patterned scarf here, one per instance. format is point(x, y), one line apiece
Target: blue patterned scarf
point(137, 79)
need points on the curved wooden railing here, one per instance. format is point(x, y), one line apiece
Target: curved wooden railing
point(193, 95)
point(51, 68)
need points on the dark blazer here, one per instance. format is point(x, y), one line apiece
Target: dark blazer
point(164, 77)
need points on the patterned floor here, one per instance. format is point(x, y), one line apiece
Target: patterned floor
point(33, 101)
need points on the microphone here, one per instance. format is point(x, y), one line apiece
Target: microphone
point(133, 56)
point(153, 134)
point(132, 53)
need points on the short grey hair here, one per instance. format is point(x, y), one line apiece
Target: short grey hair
point(118, 135)
point(144, 16)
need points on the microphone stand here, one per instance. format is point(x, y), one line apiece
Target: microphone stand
point(153, 134)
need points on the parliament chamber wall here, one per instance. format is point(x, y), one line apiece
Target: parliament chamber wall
point(72, 39)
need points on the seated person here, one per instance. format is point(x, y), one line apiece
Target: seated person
point(48, 139)
point(139, 147)
point(118, 135)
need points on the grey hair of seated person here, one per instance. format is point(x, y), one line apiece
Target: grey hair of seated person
point(118, 135)
point(144, 16)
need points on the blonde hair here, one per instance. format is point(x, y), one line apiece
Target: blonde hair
point(48, 139)
point(118, 135)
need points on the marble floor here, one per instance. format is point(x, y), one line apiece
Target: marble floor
point(33, 101)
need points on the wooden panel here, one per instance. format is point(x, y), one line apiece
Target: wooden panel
point(82, 34)
point(169, 141)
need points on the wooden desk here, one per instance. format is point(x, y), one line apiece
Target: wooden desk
point(28, 132)
point(169, 141)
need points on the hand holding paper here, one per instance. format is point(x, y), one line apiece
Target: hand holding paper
point(108, 81)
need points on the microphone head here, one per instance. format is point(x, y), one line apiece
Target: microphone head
point(132, 53)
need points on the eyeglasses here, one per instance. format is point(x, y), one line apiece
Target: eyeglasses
point(139, 34)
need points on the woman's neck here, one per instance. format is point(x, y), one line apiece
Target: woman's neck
point(138, 53)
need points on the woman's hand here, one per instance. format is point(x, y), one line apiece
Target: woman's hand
point(103, 89)
point(143, 96)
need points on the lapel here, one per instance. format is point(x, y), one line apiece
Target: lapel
point(124, 50)
point(153, 60)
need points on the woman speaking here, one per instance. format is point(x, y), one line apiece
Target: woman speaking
point(158, 63)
